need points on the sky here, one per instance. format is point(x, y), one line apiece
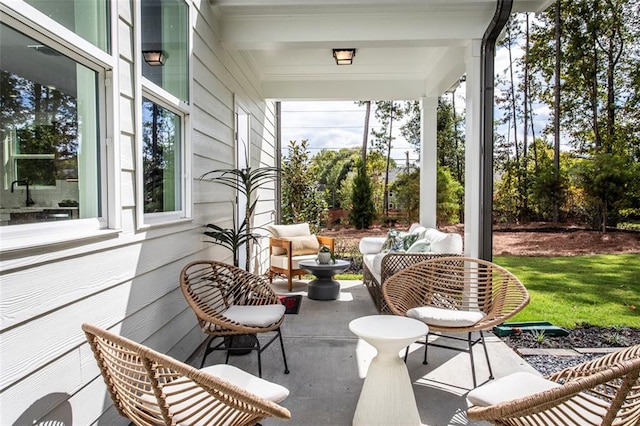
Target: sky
point(335, 125)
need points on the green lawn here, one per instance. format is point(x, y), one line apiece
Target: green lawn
point(601, 290)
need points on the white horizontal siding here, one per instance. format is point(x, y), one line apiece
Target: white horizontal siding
point(127, 281)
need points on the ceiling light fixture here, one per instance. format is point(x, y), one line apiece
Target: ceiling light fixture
point(344, 56)
point(155, 58)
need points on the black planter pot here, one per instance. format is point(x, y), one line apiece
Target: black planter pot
point(241, 344)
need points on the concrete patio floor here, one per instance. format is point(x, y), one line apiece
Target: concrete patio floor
point(328, 364)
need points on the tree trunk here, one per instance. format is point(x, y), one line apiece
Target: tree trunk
point(556, 118)
point(365, 136)
point(386, 174)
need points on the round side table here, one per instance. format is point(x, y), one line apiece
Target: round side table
point(324, 287)
point(387, 394)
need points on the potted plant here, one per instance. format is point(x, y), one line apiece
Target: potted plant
point(245, 181)
point(324, 255)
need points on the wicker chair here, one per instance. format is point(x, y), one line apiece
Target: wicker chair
point(231, 302)
point(456, 295)
point(603, 391)
point(150, 388)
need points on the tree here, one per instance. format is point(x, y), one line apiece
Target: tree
point(332, 168)
point(302, 200)
point(599, 102)
point(407, 190)
point(386, 113)
point(362, 211)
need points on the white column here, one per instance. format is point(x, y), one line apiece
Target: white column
point(429, 161)
point(473, 151)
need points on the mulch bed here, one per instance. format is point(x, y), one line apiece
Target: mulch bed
point(582, 336)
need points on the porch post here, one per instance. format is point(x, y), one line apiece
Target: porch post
point(429, 161)
point(473, 152)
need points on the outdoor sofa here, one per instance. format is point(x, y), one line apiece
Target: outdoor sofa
point(384, 256)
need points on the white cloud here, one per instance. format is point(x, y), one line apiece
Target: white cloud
point(334, 125)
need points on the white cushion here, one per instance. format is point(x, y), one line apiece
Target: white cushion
point(373, 262)
point(304, 244)
point(253, 384)
point(255, 315)
point(442, 242)
point(445, 317)
point(418, 229)
point(420, 246)
point(371, 245)
point(514, 386)
point(181, 403)
point(295, 230)
point(281, 261)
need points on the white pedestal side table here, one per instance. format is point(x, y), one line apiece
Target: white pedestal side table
point(387, 394)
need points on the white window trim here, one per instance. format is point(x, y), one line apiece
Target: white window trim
point(162, 97)
point(33, 23)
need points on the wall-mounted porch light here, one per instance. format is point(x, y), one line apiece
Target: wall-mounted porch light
point(155, 58)
point(344, 56)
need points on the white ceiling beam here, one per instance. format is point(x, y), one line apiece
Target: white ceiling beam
point(346, 90)
point(269, 32)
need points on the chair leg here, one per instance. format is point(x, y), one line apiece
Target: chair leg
point(284, 357)
point(290, 282)
point(207, 350)
point(426, 348)
point(486, 354)
point(473, 367)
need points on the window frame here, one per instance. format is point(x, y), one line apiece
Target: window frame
point(151, 91)
point(31, 22)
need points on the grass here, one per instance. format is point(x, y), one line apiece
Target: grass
point(601, 290)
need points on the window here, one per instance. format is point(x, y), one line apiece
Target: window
point(165, 30)
point(88, 19)
point(164, 49)
point(49, 130)
point(161, 156)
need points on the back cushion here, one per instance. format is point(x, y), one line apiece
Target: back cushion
point(306, 244)
point(288, 231)
point(296, 230)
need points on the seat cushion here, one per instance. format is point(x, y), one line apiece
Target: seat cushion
point(514, 386)
point(523, 384)
point(445, 317)
point(373, 263)
point(280, 261)
point(255, 315)
point(179, 400)
point(253, 384)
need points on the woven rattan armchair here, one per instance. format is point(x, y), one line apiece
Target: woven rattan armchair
point(231, 302)
point(150, 388)
point(456, 295)
point(604, 391)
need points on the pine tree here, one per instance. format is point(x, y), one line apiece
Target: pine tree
point(363, 211)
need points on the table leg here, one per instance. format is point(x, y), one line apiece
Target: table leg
point(387, 396)
point(323, 289)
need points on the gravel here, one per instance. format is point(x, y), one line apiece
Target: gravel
point(582, 336)
point(547, 364)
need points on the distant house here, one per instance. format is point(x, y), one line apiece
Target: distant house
point(112, 110)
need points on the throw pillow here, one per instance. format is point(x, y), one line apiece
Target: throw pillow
point(420, 246)
point(398, 241)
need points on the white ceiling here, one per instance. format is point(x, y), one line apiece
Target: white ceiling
point(406, 49)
